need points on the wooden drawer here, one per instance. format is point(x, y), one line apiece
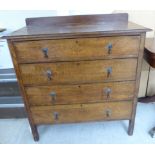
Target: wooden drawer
point(77, 49)
point(79, 72)
point(81, 112)
point(85, 93)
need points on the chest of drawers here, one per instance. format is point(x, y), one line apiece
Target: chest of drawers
point(78, 68)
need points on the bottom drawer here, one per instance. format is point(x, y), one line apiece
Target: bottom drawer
point(81, 112)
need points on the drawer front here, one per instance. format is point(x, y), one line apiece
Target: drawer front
point(79, 72)
point(82, 112)
point(77, 49)
point(85, 93)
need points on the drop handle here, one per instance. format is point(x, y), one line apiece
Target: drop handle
point(108, 92)
point(108, 113)
point(53, 96)
point(45, 52)
point(109, 48)
point(49, 74)
point(109, 71)
point(56, 116)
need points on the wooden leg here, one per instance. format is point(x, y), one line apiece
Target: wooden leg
point(35, 132)
point(131, 127)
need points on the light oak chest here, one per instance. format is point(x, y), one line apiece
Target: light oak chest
point(78, 68)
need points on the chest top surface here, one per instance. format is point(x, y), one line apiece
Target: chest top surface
point(77, 26)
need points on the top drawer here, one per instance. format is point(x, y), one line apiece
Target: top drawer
point(77, 49)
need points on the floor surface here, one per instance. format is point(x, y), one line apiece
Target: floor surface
point(115, 132)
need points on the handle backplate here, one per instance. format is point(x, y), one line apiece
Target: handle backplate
point(56, 116)
point(49, 74)
point(109, 48)
point(108, 112)
point(53, 96)
point(107, 91)
point(45, 52)
point(109, 71)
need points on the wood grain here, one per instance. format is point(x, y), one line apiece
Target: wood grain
point(77, 19)
point(22, 90)
point(139, 67)
point(85, 93)
point(79, 72)
point(77, 49)
point(78, 26)
point(82, 112)
point(76, 68)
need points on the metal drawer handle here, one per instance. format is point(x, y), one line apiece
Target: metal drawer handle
point(56, 116)
point(109, 71)
point(53, 95)
point(108, 91)
point(45, 52)
point(108, 112)
point(49, 74)
point(109, 48)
